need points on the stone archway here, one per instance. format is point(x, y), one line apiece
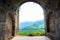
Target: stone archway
point(10, 26)
point(13, 5)
point(50, 28)
point(13, 23)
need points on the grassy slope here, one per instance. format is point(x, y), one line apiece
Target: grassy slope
point(36, 29)
point(36, 32)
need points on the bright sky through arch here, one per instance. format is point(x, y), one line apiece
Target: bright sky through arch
point(30, 12)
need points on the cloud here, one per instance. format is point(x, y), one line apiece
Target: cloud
point(30, 11)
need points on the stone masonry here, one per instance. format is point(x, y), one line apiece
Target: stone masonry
point(9, 17)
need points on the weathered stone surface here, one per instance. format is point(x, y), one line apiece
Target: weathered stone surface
point(9, 17)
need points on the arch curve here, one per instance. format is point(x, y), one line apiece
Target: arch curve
point(35, 1)
point(13, 23)
point(10, 25)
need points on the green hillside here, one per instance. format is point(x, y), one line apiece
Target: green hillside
point(33, 28)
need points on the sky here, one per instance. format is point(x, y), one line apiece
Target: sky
point(30, 12)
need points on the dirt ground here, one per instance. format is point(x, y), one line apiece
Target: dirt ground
point(30, 38)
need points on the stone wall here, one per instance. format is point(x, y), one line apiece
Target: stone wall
point(8, 28)
point(2, 26)
point(10, 22)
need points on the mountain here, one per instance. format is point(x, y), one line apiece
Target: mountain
point(26, 24)
point(32, 28)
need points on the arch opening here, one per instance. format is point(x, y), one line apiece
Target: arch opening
point(31, 19)
point(11, 16)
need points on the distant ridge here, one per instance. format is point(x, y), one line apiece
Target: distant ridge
point(26, 24)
